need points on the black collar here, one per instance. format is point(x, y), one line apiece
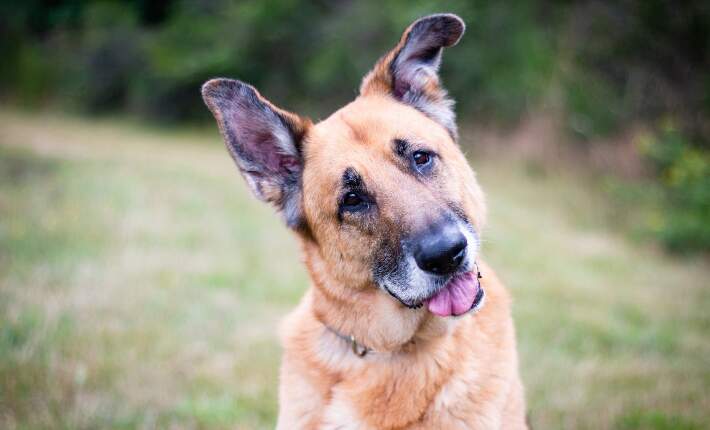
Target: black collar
point(358, 349)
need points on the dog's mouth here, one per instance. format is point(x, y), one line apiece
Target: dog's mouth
point(461, 294)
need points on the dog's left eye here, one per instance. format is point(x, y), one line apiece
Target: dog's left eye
point(422, 160)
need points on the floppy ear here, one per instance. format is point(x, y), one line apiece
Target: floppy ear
point(264, 141)
point(410, 71)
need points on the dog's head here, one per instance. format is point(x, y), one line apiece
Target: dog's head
point(379, 191)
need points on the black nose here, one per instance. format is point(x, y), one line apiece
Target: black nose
point(440, 249)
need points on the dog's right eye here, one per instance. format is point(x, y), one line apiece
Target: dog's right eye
point(351, 200)
point(353, 203)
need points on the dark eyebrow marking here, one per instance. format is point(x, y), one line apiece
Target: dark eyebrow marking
point(400, 147)
point(351, 179)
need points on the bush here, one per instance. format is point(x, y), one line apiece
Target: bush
point(684, 173)
point(109, 58)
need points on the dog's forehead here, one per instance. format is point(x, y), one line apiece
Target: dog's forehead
point(369, 119)
point(361, 134)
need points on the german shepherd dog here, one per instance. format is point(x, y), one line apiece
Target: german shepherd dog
point(393, 333)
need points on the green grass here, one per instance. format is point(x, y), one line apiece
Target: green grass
point(138, 289)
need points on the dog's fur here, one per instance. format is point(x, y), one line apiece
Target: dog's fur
point(420, 371)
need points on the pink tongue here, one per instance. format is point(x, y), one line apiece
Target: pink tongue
point(456, 297)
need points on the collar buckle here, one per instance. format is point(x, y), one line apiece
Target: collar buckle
point(358, 350)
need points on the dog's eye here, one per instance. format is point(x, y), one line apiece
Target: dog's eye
point(353, 202)
point(421, 158)
point(351, 199)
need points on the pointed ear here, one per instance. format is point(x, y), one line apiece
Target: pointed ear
point(264, 141)
point(410, 71)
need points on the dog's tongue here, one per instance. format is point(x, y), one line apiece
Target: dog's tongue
point(456, 297)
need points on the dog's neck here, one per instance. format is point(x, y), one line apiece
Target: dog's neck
point(371, 317)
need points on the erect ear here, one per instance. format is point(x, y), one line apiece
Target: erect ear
point(264, 141)
point(410, 71)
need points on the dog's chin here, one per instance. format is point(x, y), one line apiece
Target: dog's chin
point(406, 302)
point(452, 296)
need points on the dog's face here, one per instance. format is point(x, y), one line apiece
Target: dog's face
point(380, 188)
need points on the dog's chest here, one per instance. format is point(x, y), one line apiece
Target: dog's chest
point(411, 397)
point(339, 414)
point(398, 398)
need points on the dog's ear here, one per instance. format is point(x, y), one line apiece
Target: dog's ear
point(410, 71)
point(264, 141)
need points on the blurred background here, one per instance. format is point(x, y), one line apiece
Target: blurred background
point(138, 287)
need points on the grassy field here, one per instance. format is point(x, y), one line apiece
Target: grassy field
point(140, 287)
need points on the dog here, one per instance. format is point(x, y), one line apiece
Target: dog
point(393, 332)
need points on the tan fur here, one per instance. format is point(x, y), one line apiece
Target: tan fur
point(425, 372)
point(422, 371)
point(461, 376)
